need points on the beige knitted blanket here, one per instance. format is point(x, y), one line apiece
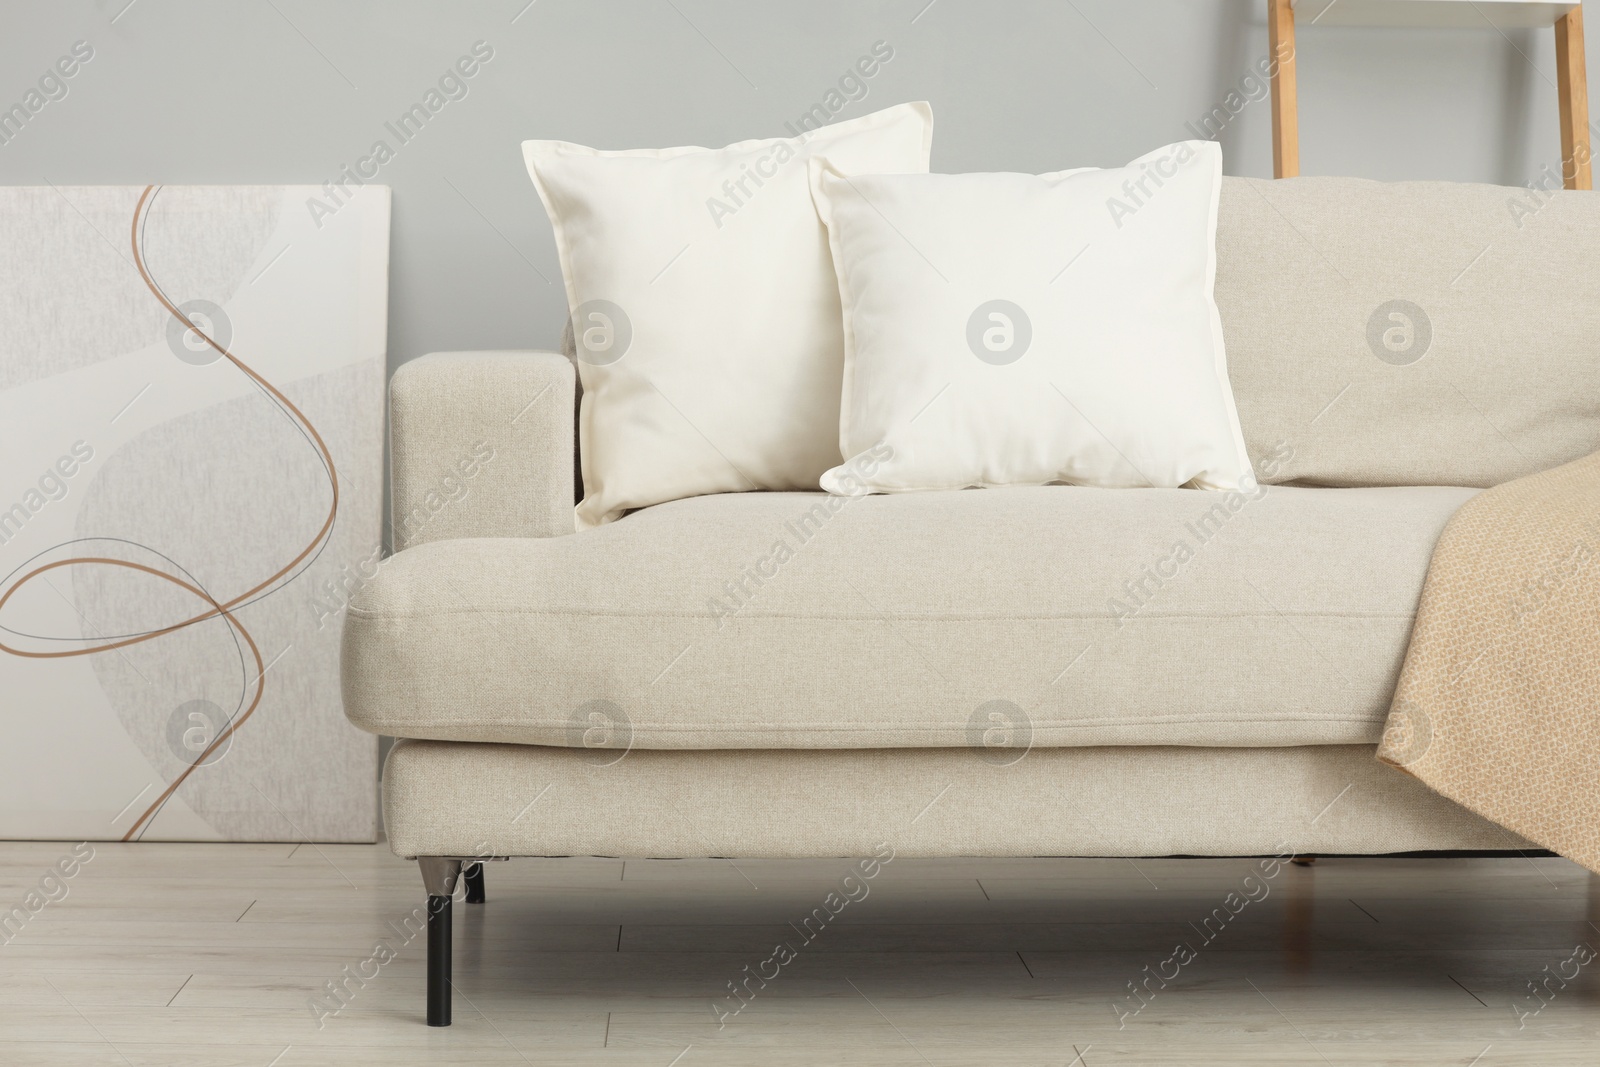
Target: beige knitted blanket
point(1498, 706)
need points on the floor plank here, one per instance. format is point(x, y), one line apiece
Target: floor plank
point(185, 954)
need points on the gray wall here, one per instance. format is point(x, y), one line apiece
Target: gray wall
point(183, 91)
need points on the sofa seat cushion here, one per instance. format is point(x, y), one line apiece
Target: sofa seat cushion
point(1002, 619)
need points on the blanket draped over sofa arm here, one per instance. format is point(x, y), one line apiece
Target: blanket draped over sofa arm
point(1498, 706)
point(481, 445)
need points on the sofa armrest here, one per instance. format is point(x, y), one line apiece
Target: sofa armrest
point(481, 445)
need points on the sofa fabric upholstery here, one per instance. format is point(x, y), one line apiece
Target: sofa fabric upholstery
point(1078, 616)
point(1491, 372)
point(444, 799)
point(481, 445)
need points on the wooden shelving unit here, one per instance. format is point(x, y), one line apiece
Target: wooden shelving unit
point(1572, 87)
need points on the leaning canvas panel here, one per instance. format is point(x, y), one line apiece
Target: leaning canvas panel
point(191, 436)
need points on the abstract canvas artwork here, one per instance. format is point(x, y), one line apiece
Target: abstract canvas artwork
point(191, 416)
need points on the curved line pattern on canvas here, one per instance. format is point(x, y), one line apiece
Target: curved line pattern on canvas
point(224, 610)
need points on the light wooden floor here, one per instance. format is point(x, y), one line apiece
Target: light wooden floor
point(207, 954)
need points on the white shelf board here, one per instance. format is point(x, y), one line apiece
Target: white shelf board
point(1431, 14)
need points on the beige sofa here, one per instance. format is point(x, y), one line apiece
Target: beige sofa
point(1055, 671)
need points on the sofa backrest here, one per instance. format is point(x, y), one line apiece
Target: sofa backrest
point(1410, 333)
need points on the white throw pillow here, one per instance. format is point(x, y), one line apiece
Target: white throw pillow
point(704, 308)
point(1017, 329)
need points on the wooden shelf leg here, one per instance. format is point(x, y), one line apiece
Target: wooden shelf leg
point(1572, 87)
point(1285, 102)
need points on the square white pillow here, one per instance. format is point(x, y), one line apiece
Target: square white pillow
point(704, 307)
point(1017, 329)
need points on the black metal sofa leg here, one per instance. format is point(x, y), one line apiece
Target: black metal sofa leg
point(473, 873)
point(438, 961)
point(439, 878)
